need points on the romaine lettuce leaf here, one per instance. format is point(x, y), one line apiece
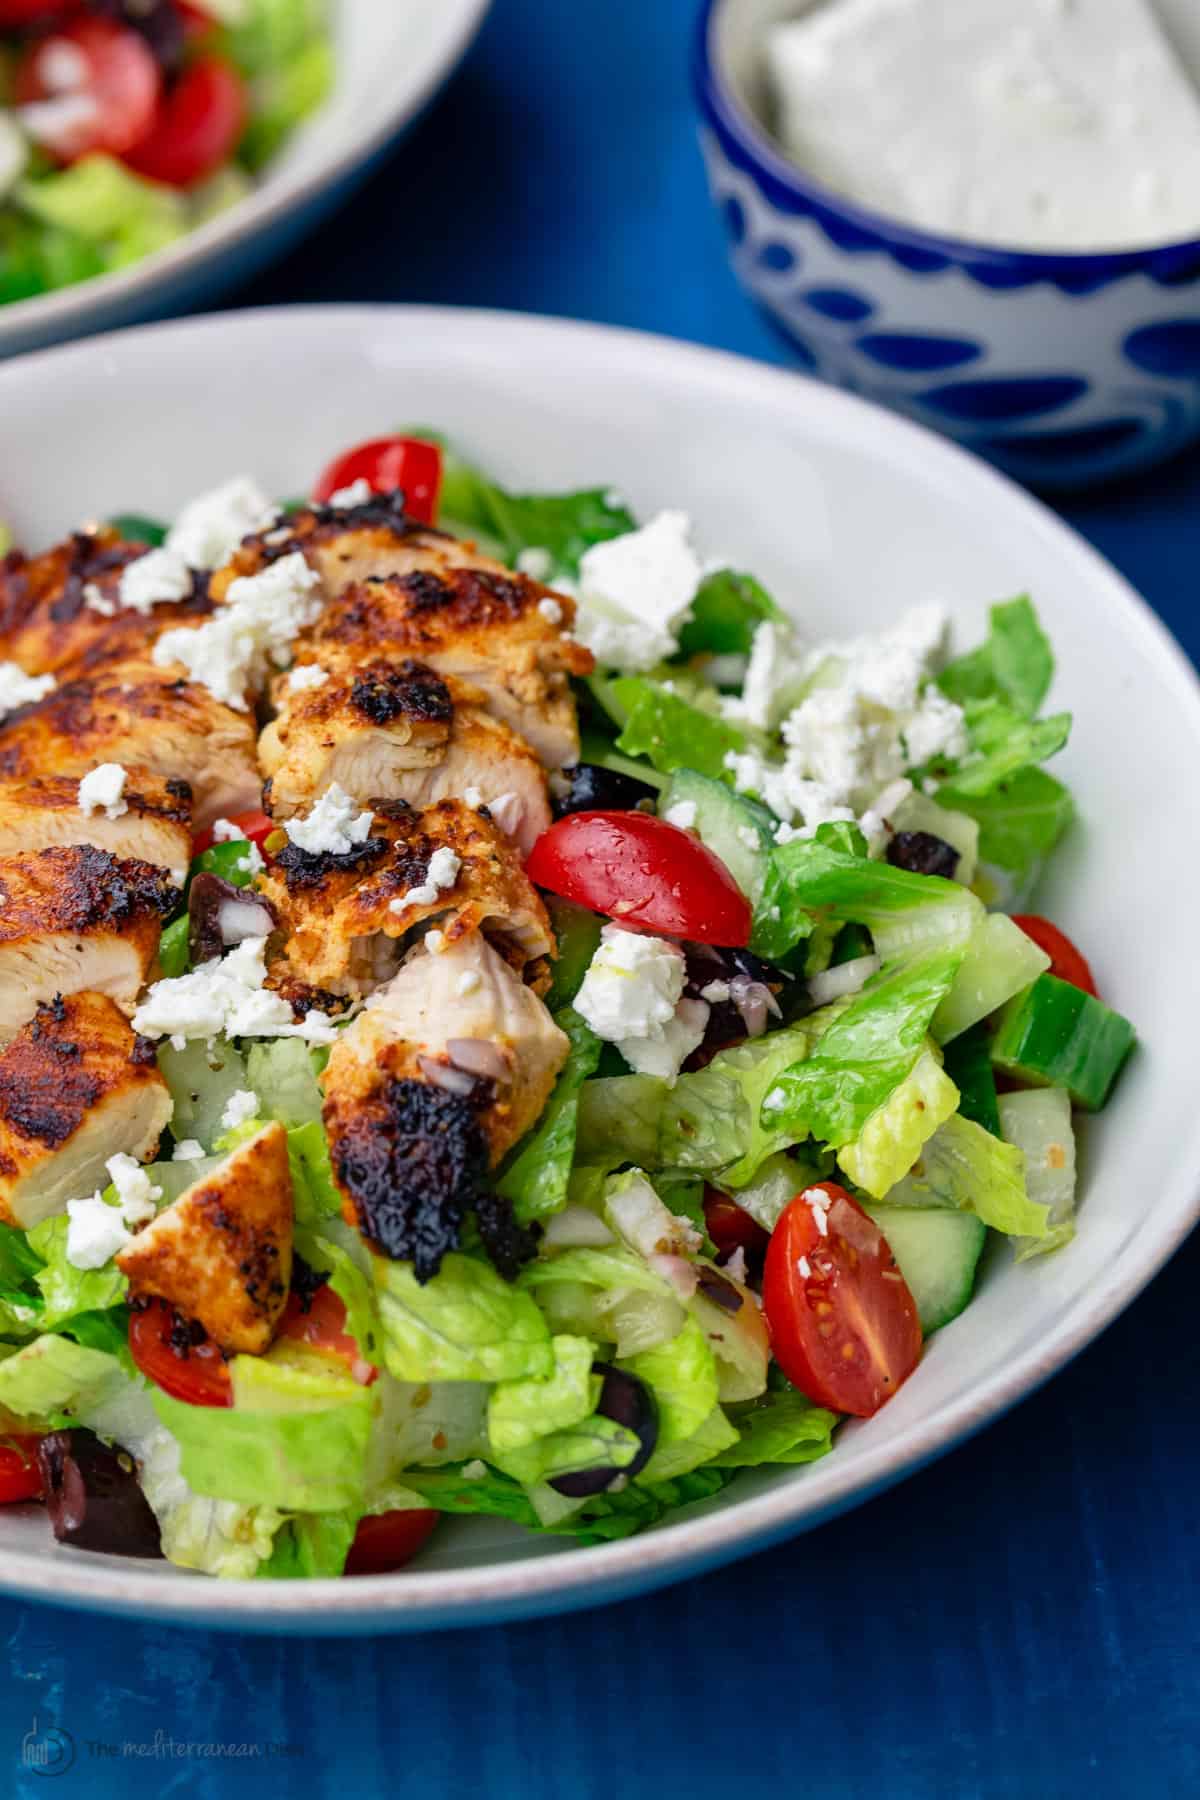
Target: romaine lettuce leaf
point(316, 1198)
point(892, 1137)
point(963, 1165)
point(727, 607)
point(682, 1376)
point(596, 1442)
point(1015, 663)
point(53, 1376)
point(670, 731)
point(521, 1411)
point(1020, 820)
point(671, 1460)
point(311, 1544)
point(564, 525)
point(281, 1073)
point(66, 1290)
point(810, 880)
point(781, 1427)
point(1009, 743)
point(537, 1175)
point(465, 1324)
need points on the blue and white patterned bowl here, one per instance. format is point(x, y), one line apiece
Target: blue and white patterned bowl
point(1063, 369)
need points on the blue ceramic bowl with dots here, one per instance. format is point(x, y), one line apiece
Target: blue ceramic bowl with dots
point(1063, 369)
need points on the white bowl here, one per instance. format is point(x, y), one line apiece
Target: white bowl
point(392, 57)
point(847, 513)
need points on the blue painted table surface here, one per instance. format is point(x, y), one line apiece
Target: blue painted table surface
point(1019, 1620)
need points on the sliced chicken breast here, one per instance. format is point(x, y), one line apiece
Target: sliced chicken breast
point(345, 920)
point(61, 612)
point(74, 920)
point(144, 717)
point(433, 746)
point(76, 1087)
point(222, 1253)
point(156, 826)
point(398, 589)
point(447, 1067)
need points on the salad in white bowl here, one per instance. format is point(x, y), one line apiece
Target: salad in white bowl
point(493, 1018)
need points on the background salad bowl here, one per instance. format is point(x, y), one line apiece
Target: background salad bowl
point(848, 514)
point(1062, 368)
point(390, 61)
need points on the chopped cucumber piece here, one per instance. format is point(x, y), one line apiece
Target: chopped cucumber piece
point(282, 1075)
point(738, 830)
point(1000, 962)
point(202, 1083)
point(937, 1252)
point(919, 813)
point(1038, 1122)
point(969, 1066)
point(1055, 1035)
point(578, 933)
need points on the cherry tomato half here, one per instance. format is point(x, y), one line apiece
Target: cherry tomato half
point(164, 1349)
point(386, 1541)
point(255, 825)
point(730, 1226)
point(197, 127)
point(323, 1327)
point(1065, 960)
point(387, 464)
point(642, 872)
point(117, 73)
point(20, 1478)
point(844, 1325)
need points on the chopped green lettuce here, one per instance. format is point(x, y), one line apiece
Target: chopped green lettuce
point(316, 1197)
point(670, 731)
point(66, 1290)
point(521, 1411)
point(680, 1456)
point(682, 1376)
point(537, 1175)
point(464, 1324)
point(281, 1073)
point(563, 525)
point(963, 1165)
point(1015, 663)
point(893, 1136)
point(100, 200)
point(724, 613)
point(311, 1545)
point(1020, 821)
point(52, 1376)
point(1008, 743)
point(782, 1427)
point(596, 1442)
point(809, 879)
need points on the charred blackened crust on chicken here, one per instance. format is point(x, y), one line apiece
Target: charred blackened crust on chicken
point(76, 887)
point(309, 868)
point(313, 525)
point(386, 691)
point(414, 1161)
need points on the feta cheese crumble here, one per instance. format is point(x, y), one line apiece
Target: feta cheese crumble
point(632, 996)
point(160, 577)
point(683, 814)
point(635, 591)
point(356, 494)
point(253, 632)
point(333, 827)
point(19, 689)
point(188, 1150)
point(551, 611)
point(441, 874)
point(227, 996)
point(210, 528)
point(239, 1109)
point(307, 676)
point(96, 1231)
point(136, 1193)
point(102, 790)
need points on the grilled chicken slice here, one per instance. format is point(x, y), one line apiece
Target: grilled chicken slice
point(222, 1253)
point(74, 919)
point(397, 589)
point(397, 731)
point(61, 612)
point(76, 1088)
point(449, 1065)
point(156, 826)
point(344, 919)
point(144, 717)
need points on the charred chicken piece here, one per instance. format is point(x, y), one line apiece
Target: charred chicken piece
point(397, 731)
point(75, 920)
point(449, 1065)
point(61, 612)
point(76, 1087)
point(222, 1252)
point(144, 717)
point(156, 827)
point(346, 919)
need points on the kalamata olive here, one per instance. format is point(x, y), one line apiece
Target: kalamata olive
point(158, 21)
point(720, 1290)
point(923, 854)
point(627, 1401)
point(93, 1497)
point(594, 789)
point(745, 995)
point(221, 914)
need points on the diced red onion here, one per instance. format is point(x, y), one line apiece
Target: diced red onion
point(455, 1081)
point(238, 920)
point(755, 1003)
point(478, 1057)
point(682, 1274)
point(846, 978)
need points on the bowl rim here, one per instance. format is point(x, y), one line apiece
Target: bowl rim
point(67, 309)
point(578, 1577)
point(805, 192)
